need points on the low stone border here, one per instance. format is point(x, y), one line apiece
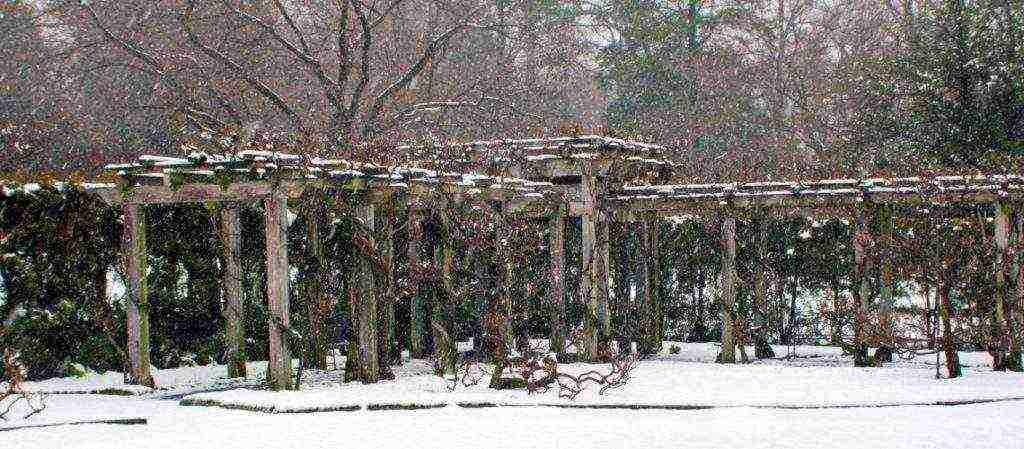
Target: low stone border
point(194, 402)
point(486, 404)
point(405, 406)
point(112, 391)
point(125, 421)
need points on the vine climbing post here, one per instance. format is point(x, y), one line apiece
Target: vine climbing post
point(279, 363)
point(138, 298)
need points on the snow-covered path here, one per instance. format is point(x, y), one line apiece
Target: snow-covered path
point(172, 426)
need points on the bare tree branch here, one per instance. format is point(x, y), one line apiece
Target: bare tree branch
point(428, 54)
point(260, 87)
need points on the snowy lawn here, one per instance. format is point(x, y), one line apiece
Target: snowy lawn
point(817, 376)
point(170, 426)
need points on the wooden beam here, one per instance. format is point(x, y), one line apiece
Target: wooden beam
point(279, 365)
point(200, 193)
point(234, 305)
point(728, 291)
point(557, 291)
point(138, 302)
point(668, 206)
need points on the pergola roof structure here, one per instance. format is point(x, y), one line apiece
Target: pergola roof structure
point(596, 178)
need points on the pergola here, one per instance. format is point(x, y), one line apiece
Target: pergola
point(597, 179)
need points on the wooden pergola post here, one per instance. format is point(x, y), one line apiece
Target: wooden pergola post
point(728, 291)
point(588, 289)
point(366, 307)
point(134, 237)
point(886, 282)
point(648, 271)
point(234, 306)
point(1007, 344)
point(557, 290)
point(601, 269)
point(279, 363)
point(861, 288)
point(417, 317)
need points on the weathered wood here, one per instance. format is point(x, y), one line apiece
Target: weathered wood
point(884, 237)
point(557, 291)
point(728, 291)
point(392, 350)
point(861, 288)
point(417, 314)
point(279, 363)
point(138, 298)
point(812, 203)
point(762, 349)
point(601, 278)
point(366, 296)
point(1006, 346)
point(199, 193)
point(231, 283)
point(588, 287)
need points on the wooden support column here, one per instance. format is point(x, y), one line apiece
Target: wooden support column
point(649, 271)
point(1006, 347)
point(234, 306)
point(643, 267)
point(138, 302)
point(588, 289)
point(886, 283)
point(417, 314)
point(601, 269)
point(861, 288)
point(728, 291)
point(366, 308)
point(557, 291)
point(762, 350)
point(279, 364)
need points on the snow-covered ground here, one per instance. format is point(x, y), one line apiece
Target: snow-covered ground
point(170, 426)
point(817, 376)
